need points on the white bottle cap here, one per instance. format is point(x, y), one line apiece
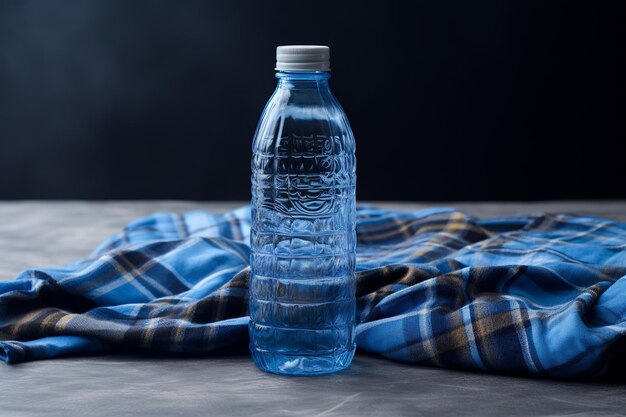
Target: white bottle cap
point(303, 58)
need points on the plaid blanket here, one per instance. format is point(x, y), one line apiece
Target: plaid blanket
point(529, 294)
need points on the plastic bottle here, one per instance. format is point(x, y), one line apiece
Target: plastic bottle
point(302, 281)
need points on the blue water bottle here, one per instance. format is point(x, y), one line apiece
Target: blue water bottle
point(302, 282)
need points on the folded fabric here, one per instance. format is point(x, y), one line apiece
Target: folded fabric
point(528, 294)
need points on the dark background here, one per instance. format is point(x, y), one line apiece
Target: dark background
point(448, 100)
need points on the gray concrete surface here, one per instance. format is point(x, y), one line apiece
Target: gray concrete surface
point(51, 233)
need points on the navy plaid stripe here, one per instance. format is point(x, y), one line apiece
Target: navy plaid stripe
point(529, 294)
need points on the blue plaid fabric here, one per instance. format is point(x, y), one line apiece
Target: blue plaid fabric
point(529, 294)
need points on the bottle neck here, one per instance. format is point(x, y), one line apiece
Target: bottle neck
point(302, 79)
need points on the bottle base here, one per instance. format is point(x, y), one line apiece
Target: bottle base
point(285, 364)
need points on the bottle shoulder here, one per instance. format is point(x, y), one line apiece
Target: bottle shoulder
point(313, 120)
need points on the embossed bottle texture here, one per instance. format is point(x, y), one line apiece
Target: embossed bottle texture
point(302, 289)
